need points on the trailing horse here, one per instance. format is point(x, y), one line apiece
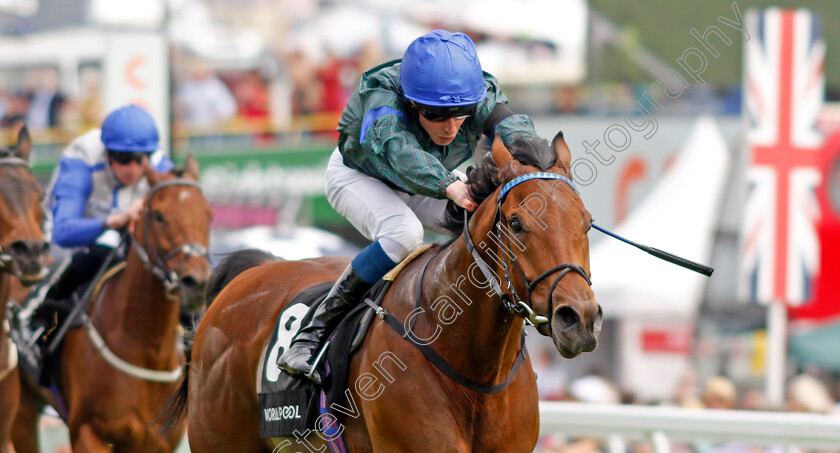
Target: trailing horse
point(117, 369)
point(523, 255)
point(23, 255)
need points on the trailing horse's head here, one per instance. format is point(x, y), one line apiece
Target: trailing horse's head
point(540, 226)
point(174, 231)
point(24, 251)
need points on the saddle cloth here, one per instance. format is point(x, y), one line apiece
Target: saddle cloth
point(289, 404)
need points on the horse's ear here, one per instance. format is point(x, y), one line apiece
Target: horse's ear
point(152, 175)
point(24, 144)
point(501, 155)
point(564, 154)
point(191, 167)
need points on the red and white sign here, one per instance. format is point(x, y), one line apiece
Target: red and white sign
point(784, 88)
point(137, 72)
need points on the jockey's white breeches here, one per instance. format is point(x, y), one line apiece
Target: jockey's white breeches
point(394, 218)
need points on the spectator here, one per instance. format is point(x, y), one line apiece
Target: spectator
point(252, 96)
point(550, 379)
point(594, 388)
point(16, 111)
point(4, 100)
point(808, 394)
point(202, 100)
point(90, 105)
point(719, 393)
point(46, 102)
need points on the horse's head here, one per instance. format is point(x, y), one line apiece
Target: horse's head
point(24, 252)
point(174, 231)
point(541, 225)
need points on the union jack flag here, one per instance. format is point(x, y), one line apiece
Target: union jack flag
point(784, 86)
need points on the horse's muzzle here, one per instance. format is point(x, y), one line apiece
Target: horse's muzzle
point(192, 286)
point(30, 260)
point(575, 330)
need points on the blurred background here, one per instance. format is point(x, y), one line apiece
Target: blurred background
point(652, 106)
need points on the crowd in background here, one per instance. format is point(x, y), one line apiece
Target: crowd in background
point(204, 98)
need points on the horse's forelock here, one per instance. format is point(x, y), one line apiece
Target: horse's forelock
point(527, 150)
point(483, 178)
point(533, 151)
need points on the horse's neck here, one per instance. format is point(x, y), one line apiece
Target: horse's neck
point(138, 309)
point(483, 341)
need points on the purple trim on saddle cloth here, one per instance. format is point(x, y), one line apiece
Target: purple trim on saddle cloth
point(62, 405)
point(333, 430)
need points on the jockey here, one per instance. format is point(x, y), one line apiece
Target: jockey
point(409, 125)
point(97, 189)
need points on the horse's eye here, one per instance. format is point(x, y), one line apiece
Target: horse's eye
point(515, 225)
point(158, 216)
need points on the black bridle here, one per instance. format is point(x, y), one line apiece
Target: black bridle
point(511, 301)
point(154, 261)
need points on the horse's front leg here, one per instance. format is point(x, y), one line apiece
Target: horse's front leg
point(25, 429)
point(9, 399)
point(86, 441)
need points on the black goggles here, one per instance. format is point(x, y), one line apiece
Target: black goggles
point(125, 158)
point(438, 114)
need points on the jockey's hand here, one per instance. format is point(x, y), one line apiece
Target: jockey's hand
point(122, 219)
point(135, 210)
point(460, 194)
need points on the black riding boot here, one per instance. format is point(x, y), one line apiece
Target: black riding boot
point(323, 318)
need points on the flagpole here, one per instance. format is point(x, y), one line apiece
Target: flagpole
point(776, 354)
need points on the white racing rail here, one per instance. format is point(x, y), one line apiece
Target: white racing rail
point(662, 425)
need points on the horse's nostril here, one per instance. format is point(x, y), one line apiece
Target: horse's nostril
point(20, 248)
point(24, 248)
point(189, 282)
point(567, 317)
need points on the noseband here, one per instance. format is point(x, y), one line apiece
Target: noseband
point(512, 302)
point(154, 261)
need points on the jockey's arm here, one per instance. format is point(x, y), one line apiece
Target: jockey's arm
point(69, 196)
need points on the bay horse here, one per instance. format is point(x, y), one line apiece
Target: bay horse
point(531, 236)
point(24, 253)
point(118, 369)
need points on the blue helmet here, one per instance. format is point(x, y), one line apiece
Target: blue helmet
point(441, 69)
point(130, 129)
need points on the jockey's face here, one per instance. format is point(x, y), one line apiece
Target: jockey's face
point(128, 171)
point(442, 130)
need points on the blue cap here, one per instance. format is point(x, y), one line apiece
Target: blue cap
point(130, 129)
point(442, 69)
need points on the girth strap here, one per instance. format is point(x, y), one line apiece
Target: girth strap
point(438, 361)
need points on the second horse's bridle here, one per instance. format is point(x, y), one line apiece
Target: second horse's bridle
point(156, 262)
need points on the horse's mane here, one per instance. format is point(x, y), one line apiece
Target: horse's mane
point(483, 179)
